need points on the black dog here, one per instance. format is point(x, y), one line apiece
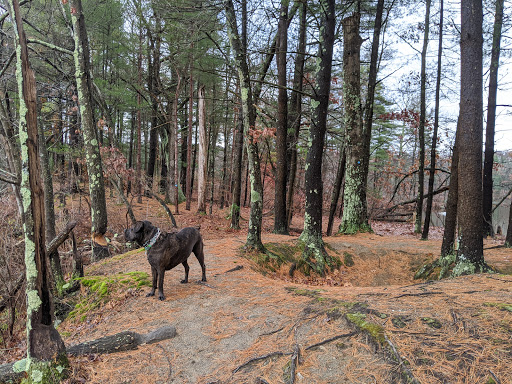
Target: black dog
point(167, 250)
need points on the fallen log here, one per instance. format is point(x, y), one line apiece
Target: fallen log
point(123, 341)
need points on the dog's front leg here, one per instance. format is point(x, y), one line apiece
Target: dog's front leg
point(154, 275)
point(161, 274)
point(187, 268)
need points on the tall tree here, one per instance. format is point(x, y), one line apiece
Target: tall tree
point(491, 119)
point(433, 154)
point(91, 142)
point(421, 126)
point(188, 182)
point(295, 109)
point(154, 64)
point(280, 219)
point(470, 255)
point(314, 256)
point(355, 215)
point(249, 121)
point(138, 166)
point(236, 187)
point(46, 353)
point(203, 153)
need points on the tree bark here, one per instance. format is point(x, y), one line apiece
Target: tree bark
point(470, 257)
point(314, 256)
point(428, 211)
point(295, 110)
point(93, 157)
point(355, 215)
point(189, 143)
point(421, 127)
point(45, 348)
point(203, 154)
point(491, 120)
point(450, 221)
point(340, 174)
point(237, 173)
point(154, 91)
point(138, 170)
point(249, 121)
point(280, 219)
point(56, 269)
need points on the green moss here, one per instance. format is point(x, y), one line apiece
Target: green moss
point(432, 323)
point(501, 306)
point(348, 259)
point(47, 372)
point(374, 330)
point(304, 292)
point(102, 289)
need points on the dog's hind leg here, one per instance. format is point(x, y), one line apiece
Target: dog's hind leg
point(187, 268)
point(198, 251)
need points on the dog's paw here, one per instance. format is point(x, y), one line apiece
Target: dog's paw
point(161, 298)
point(150, 294)
point(184, 281)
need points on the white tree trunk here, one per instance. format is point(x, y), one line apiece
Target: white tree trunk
point(203, 151)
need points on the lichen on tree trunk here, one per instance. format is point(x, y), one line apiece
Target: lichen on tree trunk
point(354, 196)
point(92, 152)
point(44, 344)
point(314, 254)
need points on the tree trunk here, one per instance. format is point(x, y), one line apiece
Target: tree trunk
point(93, 157)
point(370, 97)
point(295, 110)
point(225, 168)
point(249, 121)
point(56, 269)
point(428, 211)
point(355, 215)
point(470, 256)
point(421, 127)
point(138, 170)
point(340, 174)
point(491, 120)
point(214, 133)
point(314, 256)
point(280, 220)
point(45, 349)
point(237, 173)
point(189, 145)
point(508, 239)
point(203, 154)
point(153, 88)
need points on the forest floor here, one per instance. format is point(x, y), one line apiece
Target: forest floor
point(367, 322)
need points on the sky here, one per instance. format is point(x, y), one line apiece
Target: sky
point(406, 61)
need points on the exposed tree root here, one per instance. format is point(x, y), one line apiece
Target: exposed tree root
point(331, 340)
point(260, 358)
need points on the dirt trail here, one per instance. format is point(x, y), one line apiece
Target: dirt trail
point(242, 327)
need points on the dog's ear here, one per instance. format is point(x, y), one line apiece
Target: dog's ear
point(138, 226)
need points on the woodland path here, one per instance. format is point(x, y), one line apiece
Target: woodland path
point(243, 327)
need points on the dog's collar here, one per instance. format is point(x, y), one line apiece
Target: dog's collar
point(152, 241)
